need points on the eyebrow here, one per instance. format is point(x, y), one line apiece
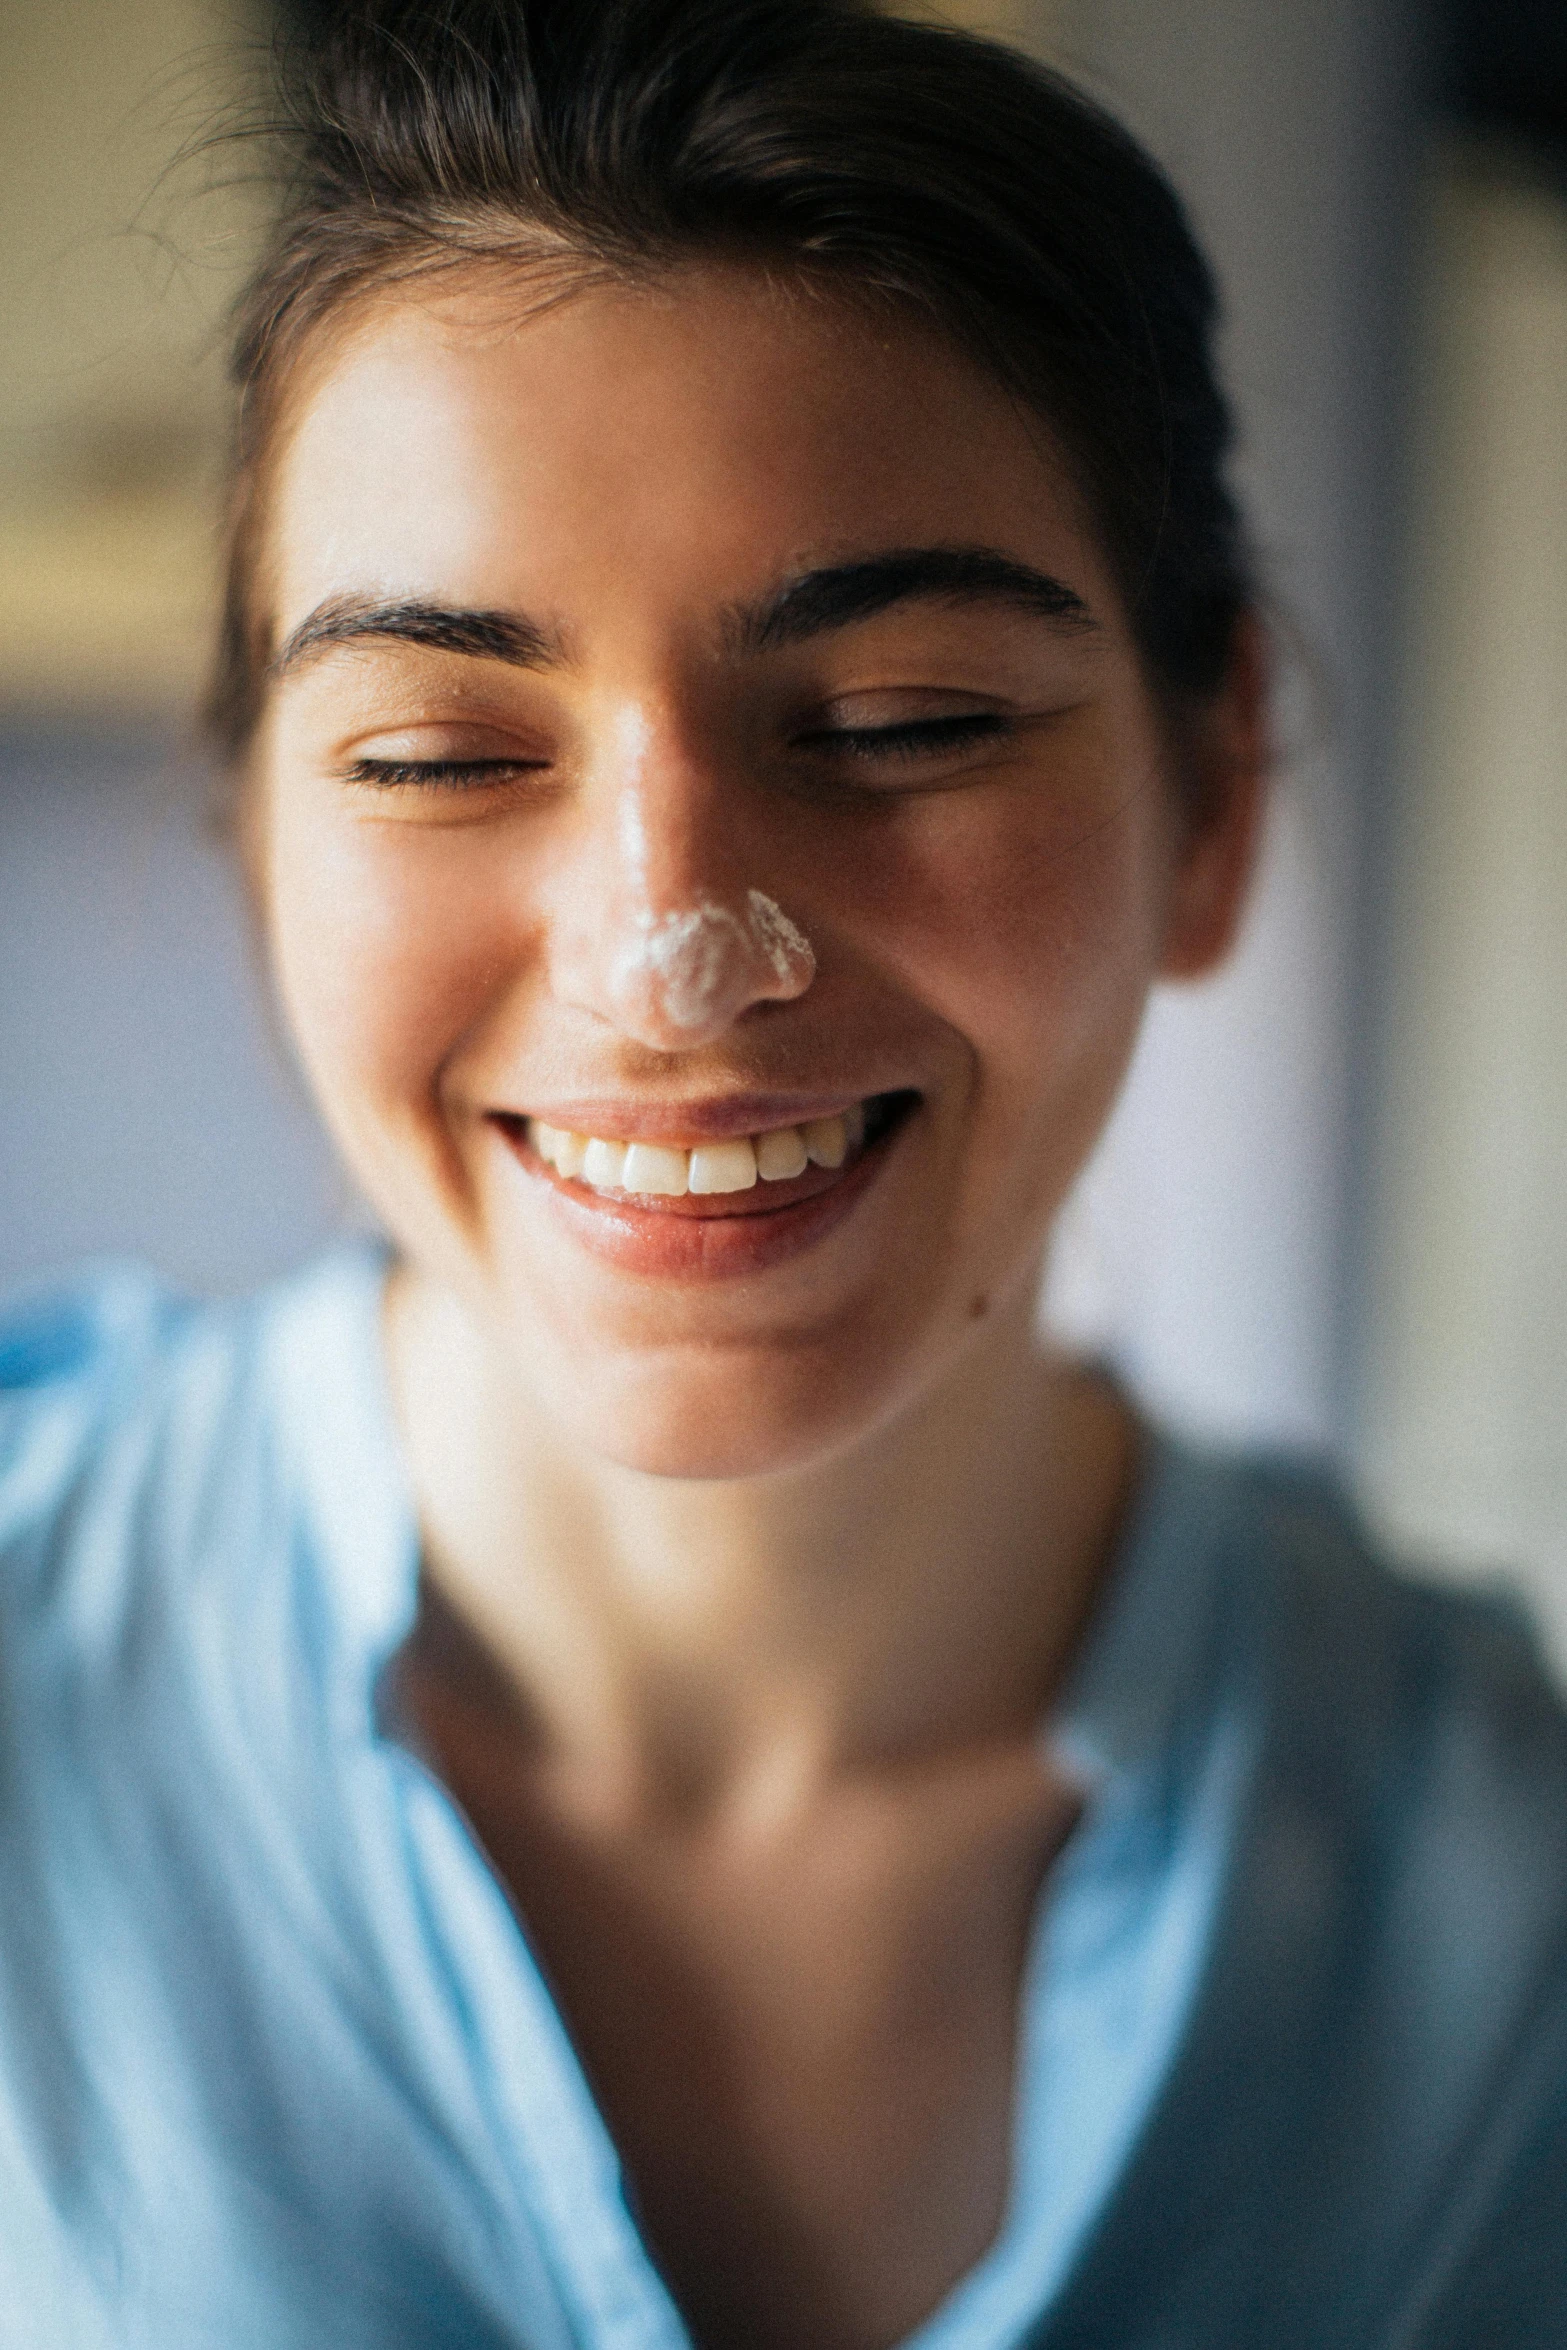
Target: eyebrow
point(444, 628)
point(839, 594)
point(812, 604)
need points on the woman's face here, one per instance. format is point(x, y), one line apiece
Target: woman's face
point(701, 712)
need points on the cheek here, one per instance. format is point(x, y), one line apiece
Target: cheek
point(1027, 918)
point(386, 946)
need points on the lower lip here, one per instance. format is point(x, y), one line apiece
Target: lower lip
point(713, 1238)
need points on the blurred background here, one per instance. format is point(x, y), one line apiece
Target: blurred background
point(1332, 1209)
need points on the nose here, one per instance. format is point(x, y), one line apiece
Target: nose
point(681, 977)
point(673, 940)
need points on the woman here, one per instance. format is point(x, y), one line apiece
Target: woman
point(648, 1766)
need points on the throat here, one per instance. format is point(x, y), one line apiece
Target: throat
point(671, 1641)
point(801, 2033)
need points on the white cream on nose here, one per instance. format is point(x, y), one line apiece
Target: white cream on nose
point(700, 965)
point(690, 970)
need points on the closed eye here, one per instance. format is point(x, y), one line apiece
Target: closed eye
point(904, 741)
point(439, 774)
point(908, 739)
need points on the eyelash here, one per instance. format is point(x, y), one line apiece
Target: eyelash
point(914, 739)
point(457, 774)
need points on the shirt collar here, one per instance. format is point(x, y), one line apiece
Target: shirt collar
point(1145, 1660)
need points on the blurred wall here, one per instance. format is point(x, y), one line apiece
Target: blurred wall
point(1462, 1436)
point(116, 260)
point(1332, 1203)
point(147, 1107)
point(1216, 1243)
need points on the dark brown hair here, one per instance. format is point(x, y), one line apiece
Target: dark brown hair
point(909, 161)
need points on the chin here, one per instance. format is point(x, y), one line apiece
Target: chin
point(738, 1414)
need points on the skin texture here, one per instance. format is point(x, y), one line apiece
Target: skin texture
point(750, 1575)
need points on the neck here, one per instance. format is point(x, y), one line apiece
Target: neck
point(743, 1640)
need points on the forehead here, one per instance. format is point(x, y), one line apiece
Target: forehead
point(632, 449)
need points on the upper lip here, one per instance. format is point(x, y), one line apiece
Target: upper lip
point(685, 1123)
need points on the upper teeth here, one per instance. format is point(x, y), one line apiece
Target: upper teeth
point(712, 1166)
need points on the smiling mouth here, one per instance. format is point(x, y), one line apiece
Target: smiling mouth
point(778, 1166)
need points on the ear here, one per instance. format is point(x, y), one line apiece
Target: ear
point(1223, 754)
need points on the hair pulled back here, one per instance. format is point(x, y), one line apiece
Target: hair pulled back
point(908, 161)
